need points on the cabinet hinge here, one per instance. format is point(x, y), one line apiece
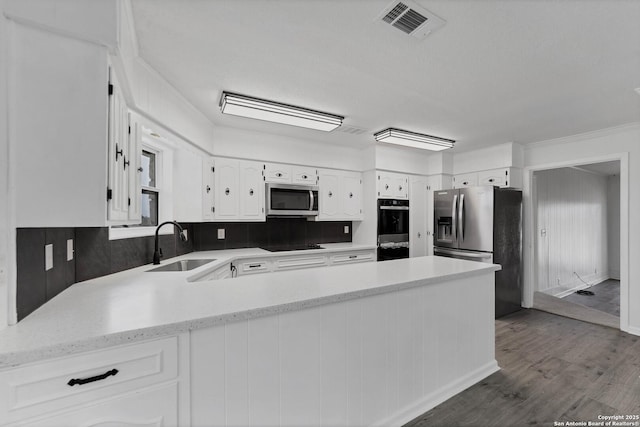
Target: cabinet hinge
point(262, 210)
point(506, 173)
point(109, 194)
point(213, 169)
point(110, 89)
point(129, 130)
point(213, 208)
point(129, 201)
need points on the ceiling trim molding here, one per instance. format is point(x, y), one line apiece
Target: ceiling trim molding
point(582, 136)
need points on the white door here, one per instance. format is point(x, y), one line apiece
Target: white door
point(135, 154)
point(352, 195)
point(208, 167)
point(118, 192)
point(251, 191)
point(329, 193)
point(226, 189)
point(418, 216)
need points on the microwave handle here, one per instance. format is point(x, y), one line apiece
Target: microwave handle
point(311, 200)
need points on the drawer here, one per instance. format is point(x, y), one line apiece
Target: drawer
point(41, 387)
point(274, 172)
point(294, 263)
point(352, 257)
point(304, 175)
point(465, 180)
point(253, 267)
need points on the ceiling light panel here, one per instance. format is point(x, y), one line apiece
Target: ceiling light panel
point(413, 139)
point(261, 109)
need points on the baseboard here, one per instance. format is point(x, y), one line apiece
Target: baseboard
point(614, 274)
point(565, 289)
point(633, 330)
point(435, 398)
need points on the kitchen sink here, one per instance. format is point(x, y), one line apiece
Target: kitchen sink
point(184, 265)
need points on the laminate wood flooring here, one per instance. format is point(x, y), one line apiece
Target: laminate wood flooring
point(606, 298)
point(553, 368)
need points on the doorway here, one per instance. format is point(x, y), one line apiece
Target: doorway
point(577, 229)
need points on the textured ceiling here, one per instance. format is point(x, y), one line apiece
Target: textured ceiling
point(498, 71)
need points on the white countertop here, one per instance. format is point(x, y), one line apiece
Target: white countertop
point(135, 304)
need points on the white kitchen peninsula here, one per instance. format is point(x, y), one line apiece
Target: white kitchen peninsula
point(360, 344)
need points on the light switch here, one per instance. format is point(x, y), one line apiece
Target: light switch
point(69, 249)
point(220, 233)
point(346, 229)
point(48, 257)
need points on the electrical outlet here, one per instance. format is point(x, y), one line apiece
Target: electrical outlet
point(48, 257)
point(220, 233)
point(346, 229)
point(69, 249)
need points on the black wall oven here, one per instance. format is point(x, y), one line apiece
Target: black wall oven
point(393, 229)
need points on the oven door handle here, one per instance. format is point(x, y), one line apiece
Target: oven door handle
point(460, 253)
point(394, 208)
point(311, 200)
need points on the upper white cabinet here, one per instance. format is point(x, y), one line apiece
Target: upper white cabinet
point(238, 190)
point(392, 185)
point(290, 174)
point(340, 195)
point(503, 177)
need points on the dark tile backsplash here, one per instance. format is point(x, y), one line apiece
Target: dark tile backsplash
point(95, 255)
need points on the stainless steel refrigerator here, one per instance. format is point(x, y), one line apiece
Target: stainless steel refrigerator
point(483, 224)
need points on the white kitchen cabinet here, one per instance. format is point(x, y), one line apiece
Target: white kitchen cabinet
point(465, 180)
point(69, 383)
point(353, 257)
point(392, 185)
point(208, 184)
point(504, 177)
point(238, 190)
point(304, 175)
point(418, 215)
point(251, 266)
point(340, 194)
point(277, 173)
point(297, 262)
point(152, 407)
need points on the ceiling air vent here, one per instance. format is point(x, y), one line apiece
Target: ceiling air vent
point(410, 18)
point(351, 130)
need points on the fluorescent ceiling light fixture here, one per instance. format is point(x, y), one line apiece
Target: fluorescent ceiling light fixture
point(261, 109)
point(412, 139)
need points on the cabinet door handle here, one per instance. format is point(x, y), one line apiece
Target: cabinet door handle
point(118, 152)
point(140, 169)
point(491, 179)
point(386, 186)
point(330, 194)
point(278, 174)
point(304, 177)
point(126, 162)
point(351, 195)
point(101, 377)
point(400, 188)
point(251, 191)
point(465, 183)
point(419, 235)
point(227, 191)
point(208, 189)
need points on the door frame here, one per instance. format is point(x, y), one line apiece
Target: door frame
point(530, 221)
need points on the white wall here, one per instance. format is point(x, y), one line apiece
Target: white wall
point(496, 156)
point(572, 211)
point(609, 144)
point(613, 225)
point(7, 237)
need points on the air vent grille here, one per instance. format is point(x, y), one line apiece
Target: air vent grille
point(395, 12)
point(352, 130)
point(410, 18)
point(410, 21)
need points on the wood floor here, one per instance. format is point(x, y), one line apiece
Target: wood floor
point(553, 369)
point(606, 298)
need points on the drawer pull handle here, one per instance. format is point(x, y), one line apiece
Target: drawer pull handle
point(353, 256)
point(254, 265)
point(81, 381)
point(491, 179)
point(304, 177)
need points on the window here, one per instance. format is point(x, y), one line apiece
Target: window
point(150, 198)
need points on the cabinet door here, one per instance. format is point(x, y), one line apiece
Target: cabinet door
point(118, 192)
point(154, 407)
point(226, 189)
point(400, 187)
point(418, 216)
point(135, 153)
point(208, 168)
point(385, 186)
point(274, 172)
point(329, 203)
point(465, 180)
point(352, 196)
point(304, 175)
point(251, 191)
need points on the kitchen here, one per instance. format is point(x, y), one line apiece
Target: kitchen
point(188, 117)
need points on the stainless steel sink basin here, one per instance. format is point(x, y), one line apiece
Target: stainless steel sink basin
point(184, 265)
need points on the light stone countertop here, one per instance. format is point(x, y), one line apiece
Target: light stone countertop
point(134, 305)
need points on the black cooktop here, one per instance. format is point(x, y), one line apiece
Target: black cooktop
point(282, 248)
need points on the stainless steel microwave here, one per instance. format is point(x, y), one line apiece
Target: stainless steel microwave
point(291, 200)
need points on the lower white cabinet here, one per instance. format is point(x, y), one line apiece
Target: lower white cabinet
point(353, 257)
point(298, 262)
point(251, 266)
point(91, 387)
point(151, 407)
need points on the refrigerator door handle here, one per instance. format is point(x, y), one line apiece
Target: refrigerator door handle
point(479, 255)
point(454, 232)
point(461, 216)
